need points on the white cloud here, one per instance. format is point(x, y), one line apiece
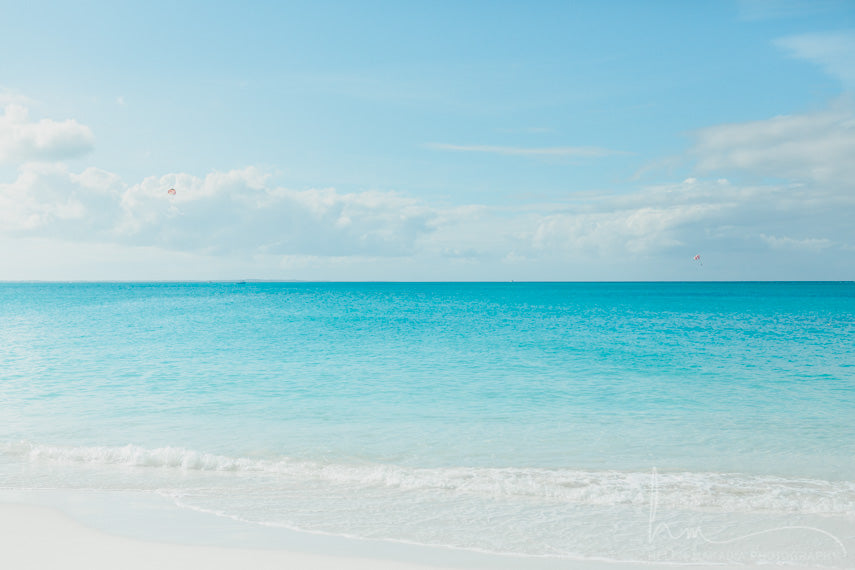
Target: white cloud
point(815, 147)
point(644, 230)
point(46, 140)
point(811, 244)
point(243, 216)
point(555, 151)
point(269, 231)
point(695, 215)
point(48, 200)
point(9, 97)
point(834, 52)
point(237, 211)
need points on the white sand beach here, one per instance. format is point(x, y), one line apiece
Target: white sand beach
point(39, 538)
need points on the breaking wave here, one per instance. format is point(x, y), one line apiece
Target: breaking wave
point(704, 491)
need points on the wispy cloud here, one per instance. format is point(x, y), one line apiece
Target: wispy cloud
point(552, 151)
point(785, 242)
point(815, 146)
point(528, 130)
point(833, 51)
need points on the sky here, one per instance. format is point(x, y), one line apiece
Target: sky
point(428, 141)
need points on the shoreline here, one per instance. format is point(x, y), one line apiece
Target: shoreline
point(100, 530)
point(89, 529)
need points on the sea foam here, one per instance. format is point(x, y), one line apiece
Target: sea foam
point(704, 491)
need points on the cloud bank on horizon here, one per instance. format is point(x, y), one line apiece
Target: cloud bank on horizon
point(771, 196)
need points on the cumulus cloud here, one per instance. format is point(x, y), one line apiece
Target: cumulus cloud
point(50, 201)
point(22, 140)
point(643, 230)
point(244, 216)
point(237, 211)
point(691, 216)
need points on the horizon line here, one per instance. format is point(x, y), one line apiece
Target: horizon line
point(386, 281)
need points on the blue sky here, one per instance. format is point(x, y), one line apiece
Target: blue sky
point(428, 141)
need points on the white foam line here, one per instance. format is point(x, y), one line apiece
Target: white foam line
point(719, 492)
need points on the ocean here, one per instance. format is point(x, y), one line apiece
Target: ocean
point(648, 422)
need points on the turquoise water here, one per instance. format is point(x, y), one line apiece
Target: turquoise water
point(565, 420)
